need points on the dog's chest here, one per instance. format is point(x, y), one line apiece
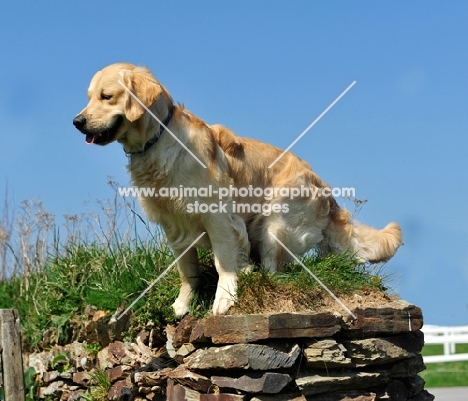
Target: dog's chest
point(161, 196)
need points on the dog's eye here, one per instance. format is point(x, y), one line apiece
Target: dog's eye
point(105, 96)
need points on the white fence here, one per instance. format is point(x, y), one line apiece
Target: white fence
point(449, 337)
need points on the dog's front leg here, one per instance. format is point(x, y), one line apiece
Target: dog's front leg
point(188, 271)
point(229, 241)
point(227, 282)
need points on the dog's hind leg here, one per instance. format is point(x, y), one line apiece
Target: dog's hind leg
point(189, 277)
point(279, 236)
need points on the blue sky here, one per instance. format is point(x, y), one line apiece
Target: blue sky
point(266, 69)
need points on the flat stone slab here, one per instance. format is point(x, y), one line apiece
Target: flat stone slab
point(373, 351)
point(242, 356)
point(185, 377)
point(404, 368)
point(254, 382)
point(311, 384)
point(177, 392)
point(392, 318)
point(237, 329)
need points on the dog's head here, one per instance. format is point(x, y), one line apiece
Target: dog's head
point(118, 95)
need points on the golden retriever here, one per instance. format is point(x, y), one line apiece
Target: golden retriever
point(169, 147)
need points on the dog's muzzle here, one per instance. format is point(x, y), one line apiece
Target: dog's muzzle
point(100, 135)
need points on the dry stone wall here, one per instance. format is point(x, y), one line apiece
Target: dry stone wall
point(264, 357)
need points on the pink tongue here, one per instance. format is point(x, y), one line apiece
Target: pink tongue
point(89, 139)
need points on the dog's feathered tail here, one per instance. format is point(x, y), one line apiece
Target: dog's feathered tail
point(365, 243)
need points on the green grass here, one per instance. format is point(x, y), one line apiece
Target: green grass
point(446, 374)
point(51, 273)
point(95, 274)
point(100, 386)
point(294, 289)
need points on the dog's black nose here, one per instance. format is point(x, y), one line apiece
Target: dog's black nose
point(79, 121)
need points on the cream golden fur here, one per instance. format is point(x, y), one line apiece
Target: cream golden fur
point(112, 114)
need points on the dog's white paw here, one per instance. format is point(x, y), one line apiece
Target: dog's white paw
point(180, 307)
point(225, 294)
point(221, 306)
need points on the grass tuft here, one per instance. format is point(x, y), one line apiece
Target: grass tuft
point(295, 290)
point(99, 387)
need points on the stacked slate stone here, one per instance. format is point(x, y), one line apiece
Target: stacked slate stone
point(296, 356)
point(265, 357)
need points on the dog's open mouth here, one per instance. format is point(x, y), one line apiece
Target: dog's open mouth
point(104, 136)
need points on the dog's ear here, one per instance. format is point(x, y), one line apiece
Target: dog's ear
point(145, 90)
